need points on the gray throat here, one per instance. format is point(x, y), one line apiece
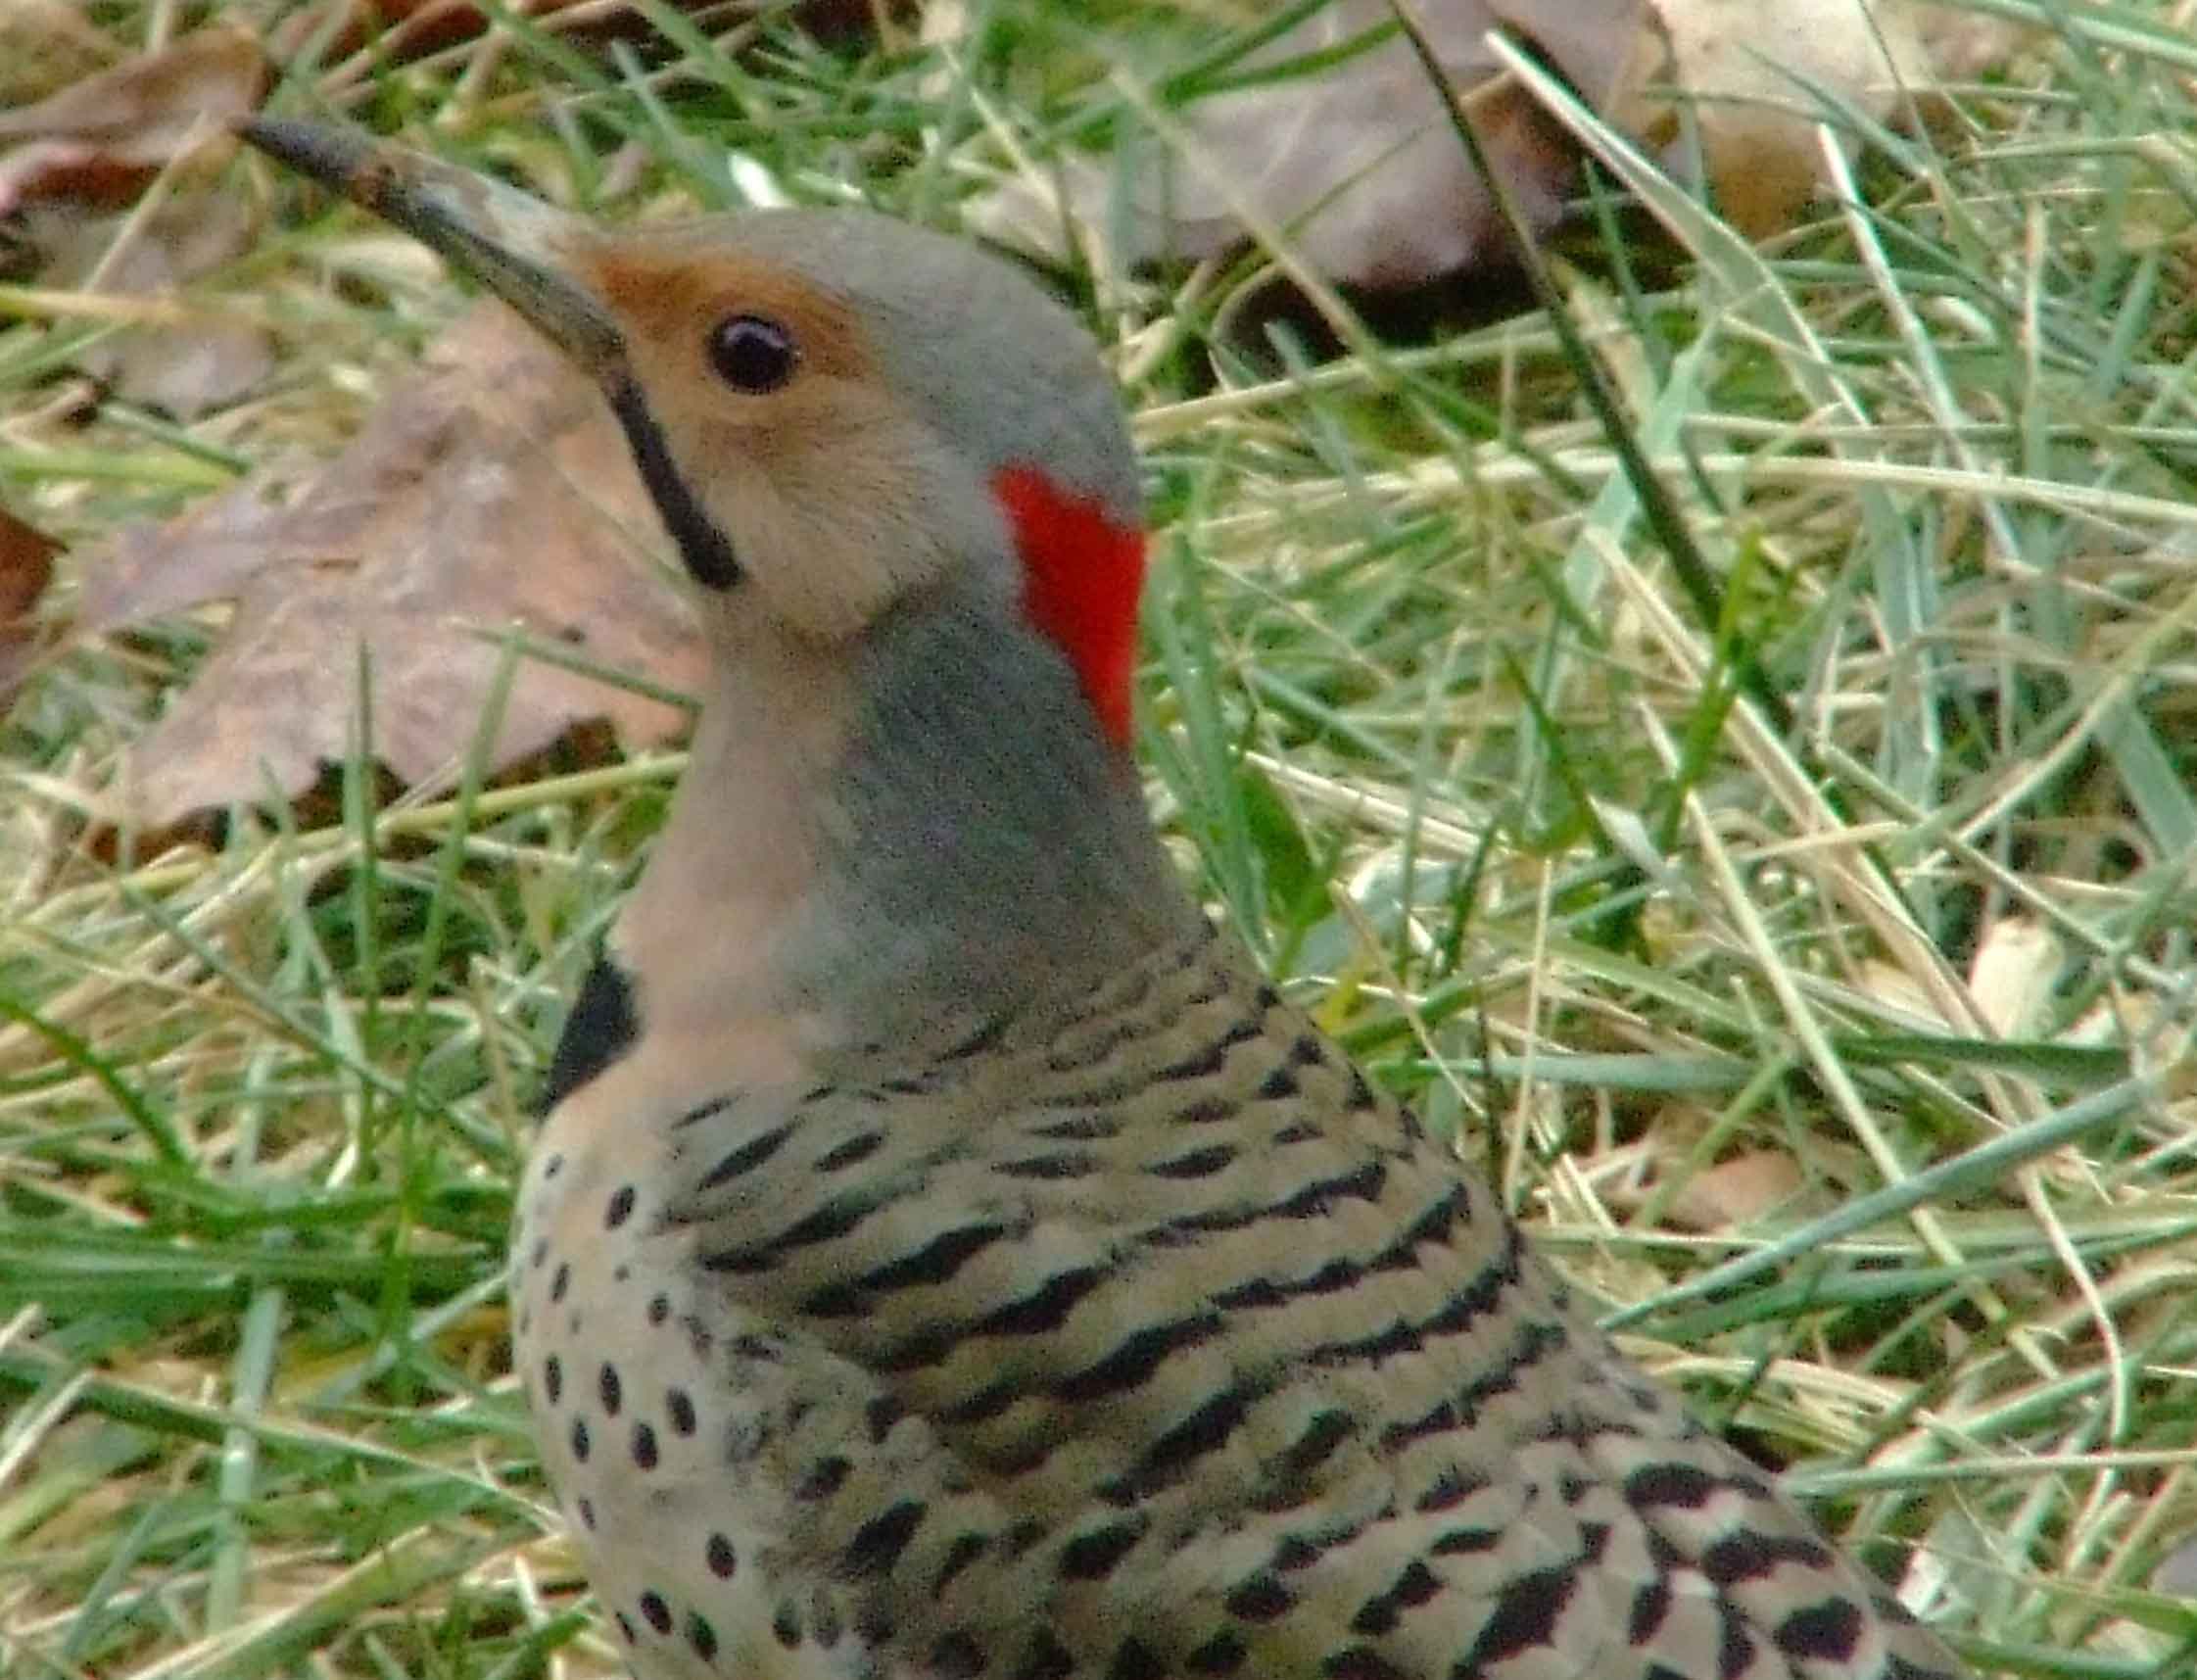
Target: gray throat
point(996, 843)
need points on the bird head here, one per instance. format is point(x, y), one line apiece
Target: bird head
point(900, 478)
point(837, 413)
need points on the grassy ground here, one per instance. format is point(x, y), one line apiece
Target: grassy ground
point(1836, 1039)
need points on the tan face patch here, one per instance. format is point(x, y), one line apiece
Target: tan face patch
point(835, 492)
point(669, 300)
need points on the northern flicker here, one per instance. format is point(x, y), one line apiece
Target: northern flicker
point(945, 1253)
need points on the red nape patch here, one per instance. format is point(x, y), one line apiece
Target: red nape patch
point(1084, 575)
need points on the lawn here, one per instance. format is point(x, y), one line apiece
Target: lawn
point(1754, 813)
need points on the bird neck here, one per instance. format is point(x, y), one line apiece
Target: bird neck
point(868, 849)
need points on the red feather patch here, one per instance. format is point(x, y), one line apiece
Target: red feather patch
point(1082, 576)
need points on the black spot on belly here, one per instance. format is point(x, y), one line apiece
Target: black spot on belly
point(956, 1657)
point(702, 1637)
point(785, 1625)
point(1133, 1661)
point(1222, 1653)
point(1045, 1659)
point(600, 1029)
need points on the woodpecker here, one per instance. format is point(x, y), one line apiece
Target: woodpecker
point(945, 1253)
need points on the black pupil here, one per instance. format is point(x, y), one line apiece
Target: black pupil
point(752, 354)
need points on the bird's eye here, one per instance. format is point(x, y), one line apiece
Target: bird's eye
point(752, 354)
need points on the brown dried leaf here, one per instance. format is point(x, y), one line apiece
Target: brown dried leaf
point(1960, 43)
point(25, 569)
point(1734, 1193)
point(1358, 161)
point(1746, 66)
point(1753, 68)
point(401, 29)
point(184, 369)
point(45, 45)
point(490, 491)
point(103, 139)
point(355, 36)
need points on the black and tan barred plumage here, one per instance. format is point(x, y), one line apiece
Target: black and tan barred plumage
point(1130, 1334)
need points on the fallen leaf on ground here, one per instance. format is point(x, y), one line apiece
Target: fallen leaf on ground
point(25, 569)
point(1357, 161)
point(383, 32)
point(1734, 1193)
point(84, 152)
point(45, 45)
point(1357, 165)
point(103, 139)
point(184, 369)
point(492, 489)
point(1759, 76)
point(1962, 43)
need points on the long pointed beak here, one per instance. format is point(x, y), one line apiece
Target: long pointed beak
point(523, 250)
point(511, 243)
